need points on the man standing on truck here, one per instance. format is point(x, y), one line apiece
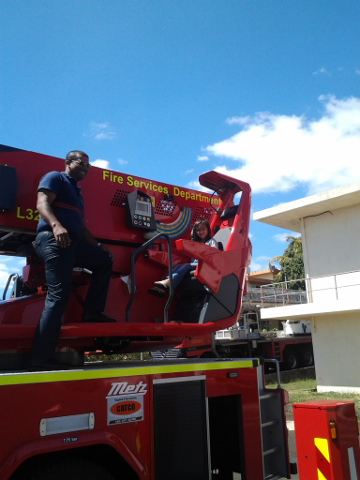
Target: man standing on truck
point(62, 243)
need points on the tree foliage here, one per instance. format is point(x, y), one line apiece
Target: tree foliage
point(118, 357)
point(292, 264)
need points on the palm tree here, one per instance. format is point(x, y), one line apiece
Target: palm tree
point(292, 264)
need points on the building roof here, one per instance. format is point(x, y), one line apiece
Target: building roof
point(288, 215)
point(262, 277)
point(267, 271)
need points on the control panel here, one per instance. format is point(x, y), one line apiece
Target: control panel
point(140, 212)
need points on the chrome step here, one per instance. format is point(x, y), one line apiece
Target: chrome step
point(271, 450)
point(266, 396)
point(273, 476)
point(268, 424)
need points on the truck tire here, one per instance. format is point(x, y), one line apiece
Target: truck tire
point(208, 355)
point(69, 468)
point(291, 359)
point(307, 357)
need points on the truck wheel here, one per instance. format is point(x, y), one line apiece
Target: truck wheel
point(307, 357)
point(208, 355)
point(61, 468)
point(291, 359)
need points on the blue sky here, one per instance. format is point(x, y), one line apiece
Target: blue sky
point(266, 90)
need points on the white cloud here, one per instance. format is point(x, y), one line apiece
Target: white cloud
point(277, 153)
point(255, 266)
point(122, 161)
point(281, 237)
point(9, 265)
point(204, 158)
point(238, 120)
point(105, 136)
point(4, 275)
point(195, 185)
point(101, 163)
point(259, 263)
point(3, 279)
point(322, 71)
point(5, 259)
point(251, 235)
point(357, 71)
point(101, 131)
point(189, 171)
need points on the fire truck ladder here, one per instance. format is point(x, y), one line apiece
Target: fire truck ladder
point(277, 351)
point(272, 430)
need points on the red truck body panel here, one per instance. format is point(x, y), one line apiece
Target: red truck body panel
point(29, 398)
point(105, 194)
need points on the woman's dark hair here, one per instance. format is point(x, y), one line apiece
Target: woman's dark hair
point(194, 235)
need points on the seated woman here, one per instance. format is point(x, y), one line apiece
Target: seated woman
point(201, 233)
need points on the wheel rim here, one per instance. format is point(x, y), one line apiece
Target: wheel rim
point(292, 361)
point(308, 359)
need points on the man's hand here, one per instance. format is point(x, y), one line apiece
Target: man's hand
point(108, 251)
point(62, 236)
point(86, 235)
point(45, 199)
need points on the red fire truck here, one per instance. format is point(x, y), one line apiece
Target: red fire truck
point(244, 340)
point(180, 419)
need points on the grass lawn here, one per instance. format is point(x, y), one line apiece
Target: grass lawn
point(305, 390)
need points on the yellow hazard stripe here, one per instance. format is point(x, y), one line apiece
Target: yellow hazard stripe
point(323, 446)
point(92, 373)
point(320, 475)
point(323, 458)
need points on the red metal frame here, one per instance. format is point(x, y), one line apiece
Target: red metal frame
point(104, 194)
point(28, 398)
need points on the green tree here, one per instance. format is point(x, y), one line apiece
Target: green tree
point(292, 264)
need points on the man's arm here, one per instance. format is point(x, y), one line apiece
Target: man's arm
point(45, 198)
point(87, 236)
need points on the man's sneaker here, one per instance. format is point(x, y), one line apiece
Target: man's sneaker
point(46, 364)
point(96, 317)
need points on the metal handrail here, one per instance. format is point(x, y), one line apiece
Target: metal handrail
point(277, 367)
point(12, 276)
point(132, 275)
point(289, 292)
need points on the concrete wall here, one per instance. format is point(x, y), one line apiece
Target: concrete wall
point(332, 247)
point(332, 242)
point(336, 351)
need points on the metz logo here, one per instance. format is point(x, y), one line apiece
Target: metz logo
point(123, 388)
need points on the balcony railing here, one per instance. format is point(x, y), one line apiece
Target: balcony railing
point(341, 286)
point(253, 295)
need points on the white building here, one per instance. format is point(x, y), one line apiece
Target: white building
point(329, 224)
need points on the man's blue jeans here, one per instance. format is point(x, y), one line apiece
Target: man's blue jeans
point(59, 264)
